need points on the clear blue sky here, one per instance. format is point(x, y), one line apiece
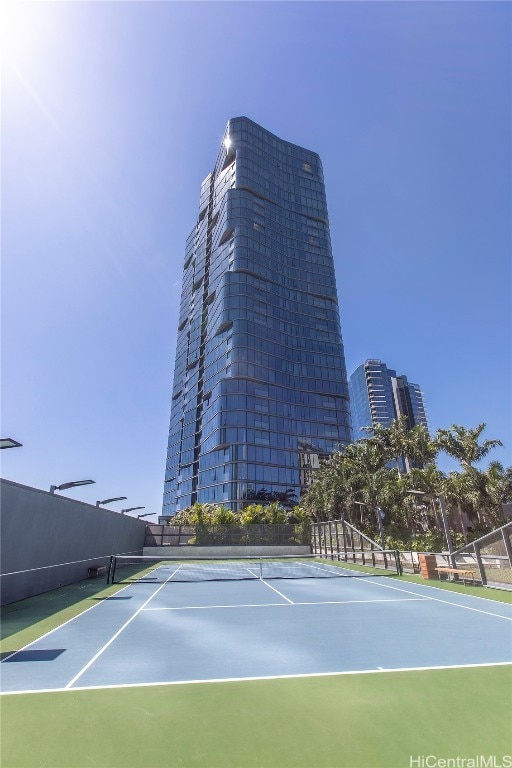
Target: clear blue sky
point(111, 117)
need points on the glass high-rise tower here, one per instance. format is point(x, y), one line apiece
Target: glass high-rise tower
point(260, 389)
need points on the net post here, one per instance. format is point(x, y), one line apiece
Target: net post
point(261, 569)
point(330, 540)
point(110, 568)
point(337, 539)
point(398, 562)
point(113, 572)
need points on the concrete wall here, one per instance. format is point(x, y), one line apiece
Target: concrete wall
point(59, 536)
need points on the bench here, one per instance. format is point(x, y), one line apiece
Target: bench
point(463, 572)
point(96, 570)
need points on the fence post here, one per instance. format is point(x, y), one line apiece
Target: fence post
point(344, 534)
point(478, 559)
point(508, 548)
point(330, 539)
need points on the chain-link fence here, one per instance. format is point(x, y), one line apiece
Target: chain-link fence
point(285, 534)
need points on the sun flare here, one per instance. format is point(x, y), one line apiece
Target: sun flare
point(21, 32)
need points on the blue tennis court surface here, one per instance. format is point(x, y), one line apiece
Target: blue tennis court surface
point(158, 632)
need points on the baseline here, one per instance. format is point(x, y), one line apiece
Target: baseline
point(378, 670)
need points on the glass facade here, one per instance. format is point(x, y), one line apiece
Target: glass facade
point(379, 396)
point(260, 391)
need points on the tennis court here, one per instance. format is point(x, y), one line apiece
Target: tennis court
point(192, 622)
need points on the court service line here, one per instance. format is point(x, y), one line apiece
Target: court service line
point(104, 648)
point(278, 592)
point(376, 670)
point(438, 600)
point(285, 605)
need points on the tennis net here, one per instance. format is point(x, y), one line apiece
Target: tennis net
point(147, 569)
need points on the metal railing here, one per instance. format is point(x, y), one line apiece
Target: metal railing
point(339, 540)
point(491, 555)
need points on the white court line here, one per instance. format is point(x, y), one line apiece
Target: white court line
point(23, 648)
point(444, 591)
point(334, 569)
point(438, 600)
point(376, 670)
point(286, 605)
point(427, 597)
point(104, 648)
point(422, 586)
point(271, 587)
point(278, 592)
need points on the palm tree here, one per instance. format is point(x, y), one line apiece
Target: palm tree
point(422, 448)
point(430, 480)
point(460, 492)
point(365, 462)
point(287, 498)
point(275, 514)
point(324, 497)
point(491, 489)
point(393, 438)
point(413, 446)
point(463, 444)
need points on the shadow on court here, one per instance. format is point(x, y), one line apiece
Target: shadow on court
point(40, 654)
point(25, 613)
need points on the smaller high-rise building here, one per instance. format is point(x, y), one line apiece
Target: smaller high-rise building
point(379, 396)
